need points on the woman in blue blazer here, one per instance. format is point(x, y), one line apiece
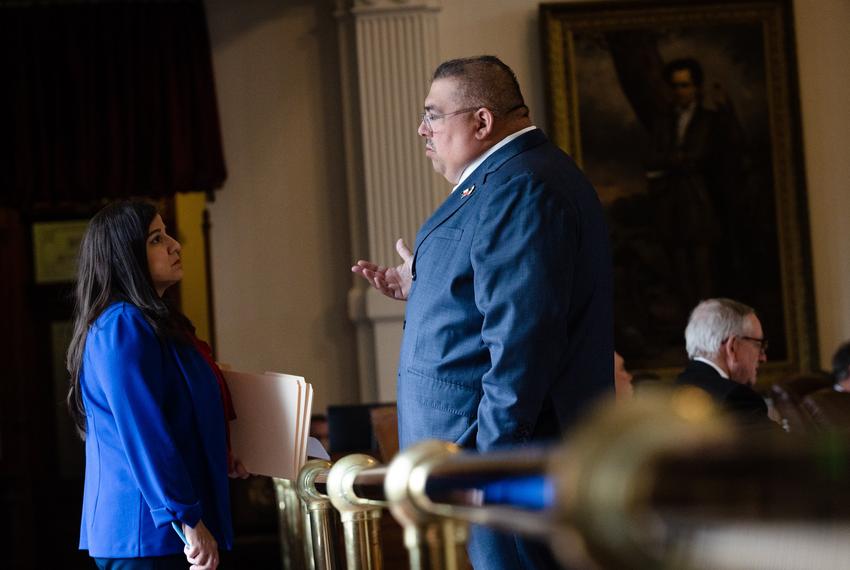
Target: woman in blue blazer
point(147, 403)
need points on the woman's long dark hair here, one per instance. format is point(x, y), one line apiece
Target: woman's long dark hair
point(113, 266)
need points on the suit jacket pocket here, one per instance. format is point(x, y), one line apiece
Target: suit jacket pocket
point(446, 232)
point(436, 252)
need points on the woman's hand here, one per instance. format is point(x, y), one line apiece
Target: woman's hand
point(235, 467)
point(202, 551)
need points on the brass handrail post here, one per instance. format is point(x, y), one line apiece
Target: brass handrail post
point(320, 514)
point(291, 523)
point(433, 542)
point(360, 517)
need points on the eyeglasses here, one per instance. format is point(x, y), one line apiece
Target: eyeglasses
point(429, 118)
point(762, 342)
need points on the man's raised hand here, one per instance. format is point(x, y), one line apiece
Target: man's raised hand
point(394, 282)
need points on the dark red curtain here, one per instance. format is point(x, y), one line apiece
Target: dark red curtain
point(106, 99)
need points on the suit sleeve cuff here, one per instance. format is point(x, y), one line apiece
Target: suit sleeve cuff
point(189, 514)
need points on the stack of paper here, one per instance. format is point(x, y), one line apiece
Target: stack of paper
point(272, 422)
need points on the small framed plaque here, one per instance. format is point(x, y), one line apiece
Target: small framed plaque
point(56, 246)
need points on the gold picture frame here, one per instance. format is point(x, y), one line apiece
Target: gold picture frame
point(709, 205)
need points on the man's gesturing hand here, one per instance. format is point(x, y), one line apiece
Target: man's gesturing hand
point(394, 282)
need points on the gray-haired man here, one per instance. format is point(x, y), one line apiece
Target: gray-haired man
point(726, 344)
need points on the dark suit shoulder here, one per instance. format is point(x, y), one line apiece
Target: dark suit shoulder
point(531, 152)
point(738, 399)
point(703, 376)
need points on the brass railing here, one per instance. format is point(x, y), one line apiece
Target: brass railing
point(321, 516)
point(663, 482)
point(360, 515)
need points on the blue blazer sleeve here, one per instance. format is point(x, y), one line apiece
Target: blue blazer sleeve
point(523, 255)
point(126, 356)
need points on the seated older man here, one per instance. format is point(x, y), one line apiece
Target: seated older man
point(725, 343)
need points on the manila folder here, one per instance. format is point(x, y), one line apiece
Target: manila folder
point(271, 416)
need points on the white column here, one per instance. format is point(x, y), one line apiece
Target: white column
point(388, 51)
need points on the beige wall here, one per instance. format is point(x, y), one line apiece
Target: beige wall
point(823, 53)
point(280, 234)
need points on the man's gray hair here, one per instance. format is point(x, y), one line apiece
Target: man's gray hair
point(712, 322)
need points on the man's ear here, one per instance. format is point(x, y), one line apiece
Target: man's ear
point(730, 349)
point(484, 123)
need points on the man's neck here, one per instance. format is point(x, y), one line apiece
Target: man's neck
point(490, 149)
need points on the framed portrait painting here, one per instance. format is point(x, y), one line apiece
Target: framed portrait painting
point(685, 116)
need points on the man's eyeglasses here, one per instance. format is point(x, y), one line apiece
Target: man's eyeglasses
point(762, 342)
point(429, 118)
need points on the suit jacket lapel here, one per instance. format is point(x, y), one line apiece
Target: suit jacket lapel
point(461, 196)
point(450, 205)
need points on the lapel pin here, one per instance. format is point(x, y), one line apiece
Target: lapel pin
point(468, 191)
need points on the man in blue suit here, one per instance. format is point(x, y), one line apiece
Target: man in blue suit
point(508, 326)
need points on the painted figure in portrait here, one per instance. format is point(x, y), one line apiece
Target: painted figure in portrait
point(675, 135)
